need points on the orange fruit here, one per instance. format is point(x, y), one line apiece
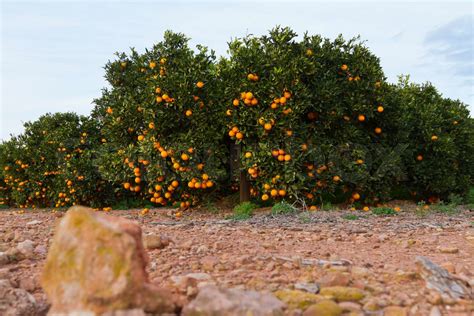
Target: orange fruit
point(184, 157)
point(152, 64)
point(239, 135)
point(250, 77)
point(336, 178)
point(249, 95)
point(109, 110)
point(287, 157)
point(282, 100)
point(359, 161)
point(378, 130)
point(344, 67)
point(419, 157)
point(287, 94)
point(189, 113)
point(175, 183)
point(434, 138)
point(361, 118)
point(366, 209)
point(380, 109)
point(281, 192)
point(140, 137)
point(236, 102)
point(267, 126)
point(228, 112)
point(273, 192)
point(248, 154)
point(309, 52)
point(200, 84)
point(138, 180)
point(265, 197)
point(151, 125)
point(126, 185)
point(313, 208)
point(356, 196)
point(164, 154)
point(159, 99)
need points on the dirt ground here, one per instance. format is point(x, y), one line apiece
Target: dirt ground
point(269, 252)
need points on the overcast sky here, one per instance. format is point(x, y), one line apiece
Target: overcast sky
point(53, 52)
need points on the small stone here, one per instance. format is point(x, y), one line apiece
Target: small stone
point(450, 250)
point(156, 241)
point(307, 287)
point(395, 311)
point(41, 250)
point(342, 293)
point(435, 311)
point(335, 279)
point(296, 299)
point(26, 248)
point(350, 307)
point(372, 305)
point(212, 301)
point(323, 308)
point(28, 284)
point(34, 222)
point(208, 263)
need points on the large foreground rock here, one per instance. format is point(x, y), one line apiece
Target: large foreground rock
point(96, 263)
point(213, 301)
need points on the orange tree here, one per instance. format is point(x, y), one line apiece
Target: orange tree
point(310, 117)
point(51, 163)
point(439, 134)
point(161, 126)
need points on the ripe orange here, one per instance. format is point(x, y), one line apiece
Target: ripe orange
point(309, 52)
point(159, 99)
point(200, 84)
point(281, 192)
point(189, 113)
point(366, 209)
point(109, 110)
point(164, 154)
point(236, 102)
point(175, 183)
point(361, 118)
point(152, 64)
point(138, 180)
point(287, 157)
point(184, 157)
point(267, 126)
point(249, 95)
point(151, 125)
point(248, 154)
point(378, 130)
point(141, 137)
point(380, 109)
point(344, 67)
point(434, 138)
point(356, 196)
point(126, 185)
point(228, 112)
point(250, 77)
point(419, 157)
point(359, 161)
point(273, 192)
point(336, 178)
point(239, 135)
point(265, 197)
point(282, 100)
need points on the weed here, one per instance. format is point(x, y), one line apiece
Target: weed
point(384, 211)
point(350, 217)
point(243, 211)
point(283, 208)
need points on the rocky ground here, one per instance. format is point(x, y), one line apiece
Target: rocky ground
point(300, 258)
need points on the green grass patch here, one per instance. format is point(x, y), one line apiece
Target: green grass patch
point(384, 211)
point(351, 217)
point(283, 208)
point(243, 211)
